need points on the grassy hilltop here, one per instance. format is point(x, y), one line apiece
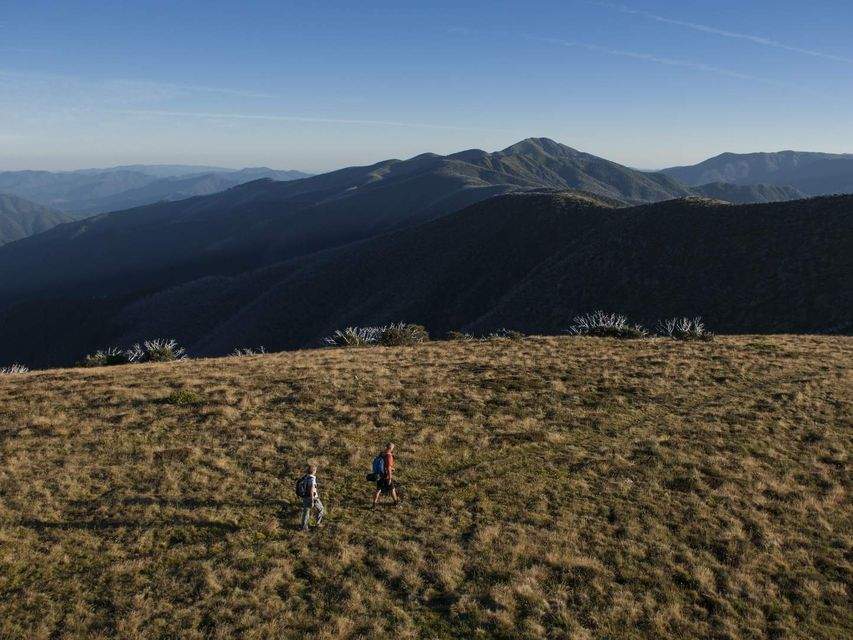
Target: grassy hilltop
point(552, 487)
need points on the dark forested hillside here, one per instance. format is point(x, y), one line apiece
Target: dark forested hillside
point(527, 261)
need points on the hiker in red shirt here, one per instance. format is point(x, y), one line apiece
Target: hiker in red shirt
point(384, 469)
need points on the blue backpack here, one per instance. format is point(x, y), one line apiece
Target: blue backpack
point(379, 466)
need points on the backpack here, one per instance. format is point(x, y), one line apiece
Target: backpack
point(302, 487)
point(379, 466)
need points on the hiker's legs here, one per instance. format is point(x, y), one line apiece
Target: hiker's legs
point(394, 495)
point(309, 504)
point(376, 496)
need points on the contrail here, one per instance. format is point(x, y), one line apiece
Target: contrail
point(295, 118)
point(672, 62)
point(767, 42)
point(120, 83)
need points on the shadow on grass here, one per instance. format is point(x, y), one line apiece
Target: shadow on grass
point(183, 503)
point(99, 525)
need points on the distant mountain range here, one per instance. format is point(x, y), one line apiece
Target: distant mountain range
point(747, 193)
point(20, 218)
point(811, 173)
point(532, 163)
point(266, 221)
point(88, 191)
point(218, 268)
point(164, 170)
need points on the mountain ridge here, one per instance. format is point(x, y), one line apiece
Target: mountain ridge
point(749, 193)
point(528, 261)
point(20, 218)
point(460, 293)
point(262, 222)
point(84, 192)
point(813, 173)
point(162, 269)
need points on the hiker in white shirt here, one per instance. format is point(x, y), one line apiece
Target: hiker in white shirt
point(306, 488)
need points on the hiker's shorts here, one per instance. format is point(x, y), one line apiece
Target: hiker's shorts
point(385, 486)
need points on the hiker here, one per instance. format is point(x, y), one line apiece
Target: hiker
point(306, 488)
point(383, 469)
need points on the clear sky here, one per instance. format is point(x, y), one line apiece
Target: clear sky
point(320, 85)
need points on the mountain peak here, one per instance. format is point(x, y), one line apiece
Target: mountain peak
point(538, 146)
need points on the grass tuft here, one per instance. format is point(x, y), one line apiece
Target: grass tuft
point(13, 369)
point(505, 334)
point(113, 356)
point(685, 329)
point(184, 398)
point(248, 351)
point(353, 337)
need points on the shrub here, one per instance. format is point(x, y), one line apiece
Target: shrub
point(607, 325)
point(685, 329)
point(353, 337)
point(401, 334)
point(505, 334)
point(248, 351)
point(157, 350)
point(112, 356)
point(389, 335)
point(13, 369)
point(160, 350)
point(460, 336)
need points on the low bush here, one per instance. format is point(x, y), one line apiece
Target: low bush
point(606, 325)
point(353, 337)
point(460, 336)
point(248, 351)
point(505, 334)
point(13, 369)
point(685, 329)
point(401, 334)
point(157, 350)
point(113, 356)
point(392, 335)
point(161, 350)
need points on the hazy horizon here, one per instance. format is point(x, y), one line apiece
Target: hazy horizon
point(648, 83)
point(221, 166)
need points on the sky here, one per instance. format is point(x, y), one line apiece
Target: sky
point(320, 85)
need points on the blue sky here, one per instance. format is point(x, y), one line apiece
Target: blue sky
point(316, 86)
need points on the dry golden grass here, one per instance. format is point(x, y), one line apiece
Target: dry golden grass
point(552, 487)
